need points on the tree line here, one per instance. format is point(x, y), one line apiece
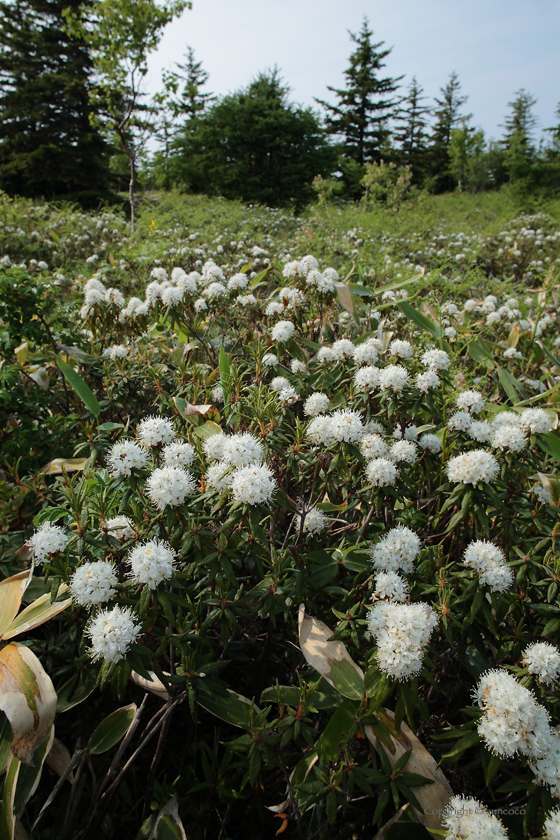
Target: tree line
point(76, 123)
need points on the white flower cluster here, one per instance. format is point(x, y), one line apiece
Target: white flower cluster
point(317, 403)
point(513, 721)
point(401, 632)
point(120, 527)
point(473, 467)
point(170, 486)
point(155, 431)
point(471, 401)
point(92, 583)
point(48, 539)
point(117, 351)
point(467, 819)
point(111, 633)
point(342, 425)
point(552, 825)
point(152, 562)
point(124, 457)
point(314, 523)
point(253, 485)
point(396, 550)
point(381, 472)
point(178, 455)
point(543, 660)
point(489, 562)
point(282, 331)
point(390, 586)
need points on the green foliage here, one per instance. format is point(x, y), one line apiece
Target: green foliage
point(47, 145)
point(366, 104)
point(253, 145)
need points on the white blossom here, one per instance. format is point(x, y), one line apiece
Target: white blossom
point(325, 355)
point(92, 583)
point(320, 430)
point(178, 455)
point(125, 456)
point(489, 561)
point(298, 367)
point(427, 380)
point(401, 349)
point(401, 632)
point(253, 485)
point(346, 426)
point(396, 550)
point(151, 562)
point(315, 521)
point(111, 633)
point(536, 421)
point(155, 431)
point(511, 438)
point(430, 442)
point(381, 472)
point(390, 586)
point(480, 430)
point(343, 349)
point(120, 527)
point(543, 660)
point(471, 401)
point(269, 360)
point(393, 377)
point(218, 476)
point(373, 446)
point(435, 359)
point(403, 451)
point(317, 403)
point(282, 331)
point(365, 354)
point(170, 486)
point(552, 825)
point(467, 819)
point(460, 421)
point(367, 378)
point(48, 539)
point(214, 446)
point(473, 467)
point(242, 449)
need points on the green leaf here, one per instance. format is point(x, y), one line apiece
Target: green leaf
point(80, 386)
point(420, 320)
point(111, 730)
point(463, 744)
point(7, 817)
point(110, 427)
point(341, 723)
point(513, 388)
point(480, 352)
point(225, 374)
point(550, 443)
point(224, 703)
point(207, 429)
point(346, 679)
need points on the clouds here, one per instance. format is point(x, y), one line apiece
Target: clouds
point(495, 47)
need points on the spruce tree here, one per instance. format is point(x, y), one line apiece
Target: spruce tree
point(447, 117)
point(366, 104)
point(189, 99)
point(410, 134)
point(517, 142)
point(48, 146)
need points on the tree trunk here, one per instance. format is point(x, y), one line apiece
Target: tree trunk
point(129, 152)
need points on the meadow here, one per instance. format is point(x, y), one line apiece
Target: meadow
point(279, 506)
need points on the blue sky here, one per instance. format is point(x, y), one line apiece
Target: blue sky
point(496, 46)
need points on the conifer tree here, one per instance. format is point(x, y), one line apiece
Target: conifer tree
point(48, 146)
point(517, 142)
point(189, 99)
point(410, 134)
point(447, 117)
point(366, 104)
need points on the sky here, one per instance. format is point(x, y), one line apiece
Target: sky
point(496, 47)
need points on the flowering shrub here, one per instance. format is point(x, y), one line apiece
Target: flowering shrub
point(368, 451)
